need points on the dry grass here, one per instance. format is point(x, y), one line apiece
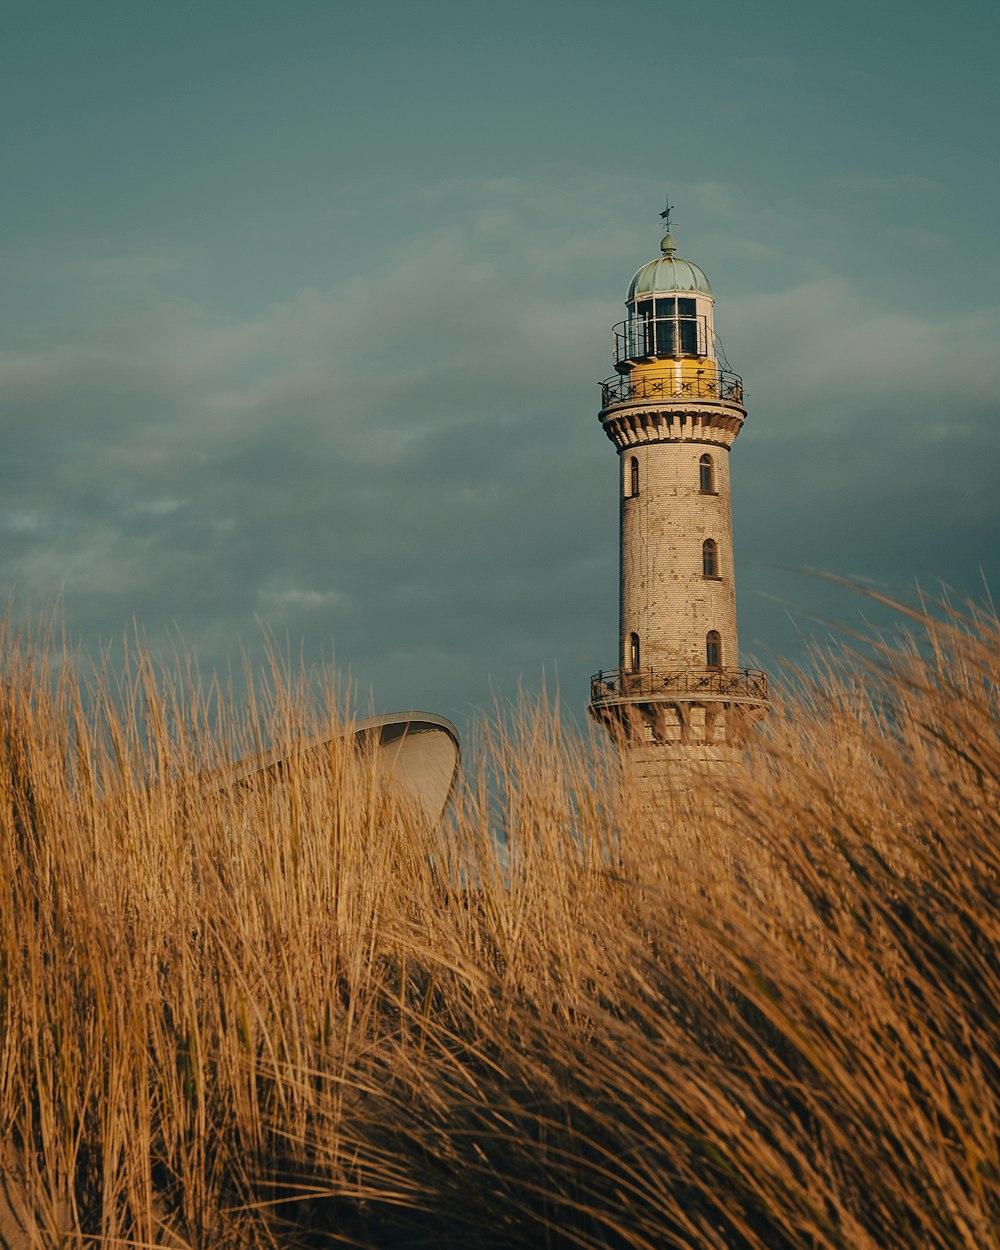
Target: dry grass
point(302, 1017)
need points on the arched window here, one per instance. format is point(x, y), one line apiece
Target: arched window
point(713, 649)
point(709, 558)
point(633, 652)
point(633, 472)
point(706, 475)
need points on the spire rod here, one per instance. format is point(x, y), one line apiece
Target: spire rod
point(667, 244)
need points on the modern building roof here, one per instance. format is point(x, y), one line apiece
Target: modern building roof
point(417, 753)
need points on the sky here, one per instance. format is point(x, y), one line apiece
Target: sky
point(303, 307)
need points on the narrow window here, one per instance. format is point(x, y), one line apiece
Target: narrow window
point(633, 652)
point(709, 558)
point(713, 649)
point(646, 324)
point(665, 327)
point(633, 470)
point(686, 310)
point(706, 476)
point(636, 345)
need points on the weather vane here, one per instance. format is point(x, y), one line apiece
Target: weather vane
point(665, 215)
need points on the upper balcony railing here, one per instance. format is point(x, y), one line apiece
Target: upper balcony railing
point(614, 684)
point(651, 338)
point(712, 383)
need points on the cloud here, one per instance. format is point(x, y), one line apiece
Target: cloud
point(125, 267)
point(869, 449)
point(392, 462)
point(405, 469)
point(886, 184)
point(291, 599)
point(771, 68)
point(832, 348)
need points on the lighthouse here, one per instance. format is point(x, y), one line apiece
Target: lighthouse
point(678, 698)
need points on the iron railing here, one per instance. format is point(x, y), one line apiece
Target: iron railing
point(614, 684)
point(658, 338)
point(714, 384)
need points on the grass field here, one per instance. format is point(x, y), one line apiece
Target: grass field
point(768, 1018)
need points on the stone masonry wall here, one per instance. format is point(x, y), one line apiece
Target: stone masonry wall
point(665, 598)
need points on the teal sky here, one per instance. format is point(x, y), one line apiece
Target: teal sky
point(303, 307)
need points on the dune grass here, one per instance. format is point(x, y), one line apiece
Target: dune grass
point(299, 1016)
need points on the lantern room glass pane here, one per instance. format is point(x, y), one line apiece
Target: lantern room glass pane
point(644, 312)
point(665, 338)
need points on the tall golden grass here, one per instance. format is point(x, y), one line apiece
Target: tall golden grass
point(299, 1016)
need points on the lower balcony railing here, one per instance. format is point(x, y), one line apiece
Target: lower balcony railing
point(714, 384)
point(614, 684)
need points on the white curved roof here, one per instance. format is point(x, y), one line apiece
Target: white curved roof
point(418, 752)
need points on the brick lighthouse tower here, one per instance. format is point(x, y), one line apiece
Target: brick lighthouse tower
point(678, 697)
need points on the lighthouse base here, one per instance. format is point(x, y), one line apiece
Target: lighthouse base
point(671, 746)
point(657, 769)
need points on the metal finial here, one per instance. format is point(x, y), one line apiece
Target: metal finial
point(667, 244)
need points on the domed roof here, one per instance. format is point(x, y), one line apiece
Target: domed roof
point(668, 273)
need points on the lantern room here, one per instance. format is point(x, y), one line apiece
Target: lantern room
point(670, 313)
